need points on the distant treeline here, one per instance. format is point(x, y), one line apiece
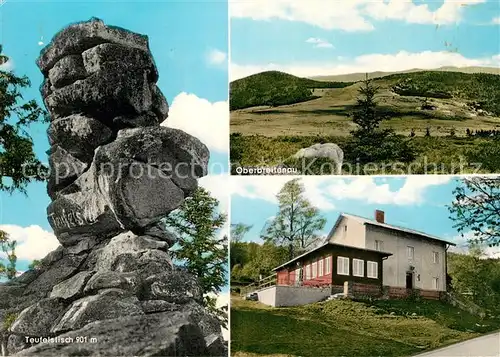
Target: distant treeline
point(482, 88)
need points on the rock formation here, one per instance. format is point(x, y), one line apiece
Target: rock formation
point(328, 151)
point(110, 289)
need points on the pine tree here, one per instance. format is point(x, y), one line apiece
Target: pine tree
point(201, 248)
point(365, 110)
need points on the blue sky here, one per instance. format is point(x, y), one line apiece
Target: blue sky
point(189, 41)
point(362, 36)
point(417, 202)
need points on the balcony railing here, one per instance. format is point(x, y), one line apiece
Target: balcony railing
point(261, 284)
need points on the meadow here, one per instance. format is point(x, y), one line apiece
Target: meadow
point(451, 119)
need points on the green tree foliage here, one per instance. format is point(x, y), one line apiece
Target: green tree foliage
point(481, 88)
point(201, 249)
point(237, 247)
point(487, 154)
point(18, 162)
point(297, 222)
point(238, 231)
point(256, 260)
point(475, 278)
point(8, 248)
point(35, 264)
point(365, 112)
point(369, 143)
point(476, 209)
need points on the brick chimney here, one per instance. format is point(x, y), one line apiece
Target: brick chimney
point(380, 216)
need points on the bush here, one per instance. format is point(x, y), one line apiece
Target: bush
point(487, 154)
point(379, 146)
point(236, 148)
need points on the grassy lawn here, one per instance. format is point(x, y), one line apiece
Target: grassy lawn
point(435, 155)
point(348, 328)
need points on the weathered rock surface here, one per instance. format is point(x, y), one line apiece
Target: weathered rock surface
point(107, 56)
point(79, 37)
point(162, 334)
point(79, 135)
point(65, 169)
point(105, 306)
point(115, 174)
point(37, 319)
point(132, 183)
point(67, 70)
point(71, 288)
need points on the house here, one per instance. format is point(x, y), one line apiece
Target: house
point(362, 256)
point(328, 269)
point(417, 260)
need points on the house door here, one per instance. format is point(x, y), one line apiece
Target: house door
point(409, 280)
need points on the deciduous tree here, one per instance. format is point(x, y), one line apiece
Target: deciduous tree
point(297, 223)
point(476, 209)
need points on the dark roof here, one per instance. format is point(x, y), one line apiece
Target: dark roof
point(389, 226)
point(384, 254)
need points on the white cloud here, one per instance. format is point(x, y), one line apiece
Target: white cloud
point(222, 300)
point(344, 15)
point(399, 61)
point(496, 20)
point(217, 185)
point(319, 43)
point(205, 120)
point(352, 15)
point(216, 57)
point(267, 187)
point(450, 12)
point(366, 189)
point(33, 242)
point(463, 246)
point(322, 192)
point(7, 66)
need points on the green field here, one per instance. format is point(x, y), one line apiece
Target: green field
point(450, 107)
point(436, 155)
point(348, 328)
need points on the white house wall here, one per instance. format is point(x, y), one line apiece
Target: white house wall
point(354, 236)
point(396, 266)
point(267, 296)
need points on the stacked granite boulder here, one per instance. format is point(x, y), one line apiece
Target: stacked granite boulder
point(110, 289)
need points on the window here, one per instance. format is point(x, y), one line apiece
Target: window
point(435, 257)
point(308, 272)
point(344, 232)
point(372, 268)
point(342, 266)
point(379, 245)
point(314, 270)
point(327, 266)
point(297, 275)
point(358, 267)
point(410, 252)
point(321, 268)
point(435, 283)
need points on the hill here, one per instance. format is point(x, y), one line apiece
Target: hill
point(349, 328)
point(355, 77)
point(415, 101)
point(274, 88)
